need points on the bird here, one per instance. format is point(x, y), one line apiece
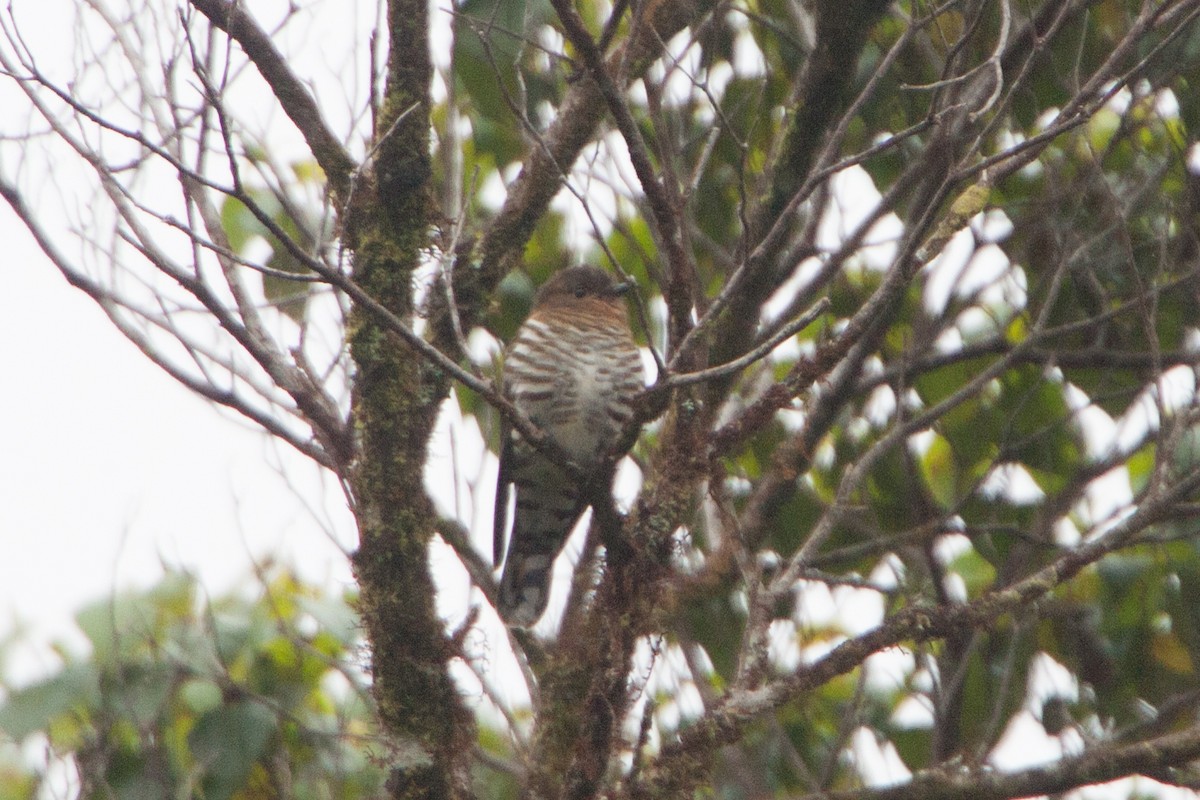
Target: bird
point(574, 369)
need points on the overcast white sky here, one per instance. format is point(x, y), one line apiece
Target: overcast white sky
point(108, 468)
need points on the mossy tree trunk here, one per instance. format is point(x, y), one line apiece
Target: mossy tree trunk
point(395, 405)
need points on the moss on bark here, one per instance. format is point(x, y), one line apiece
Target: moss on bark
point(395, 405)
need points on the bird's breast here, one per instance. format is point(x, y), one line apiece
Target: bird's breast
point(575, 382)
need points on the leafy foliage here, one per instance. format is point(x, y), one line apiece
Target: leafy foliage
point(233, 697)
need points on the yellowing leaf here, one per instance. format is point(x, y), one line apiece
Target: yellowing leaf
point(1170, 652)
point(938, 469)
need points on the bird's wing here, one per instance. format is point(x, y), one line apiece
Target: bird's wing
point(503, 481)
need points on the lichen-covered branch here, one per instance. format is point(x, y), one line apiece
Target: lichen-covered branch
point(1099, 763)
point(681, 762)
point(395, 403)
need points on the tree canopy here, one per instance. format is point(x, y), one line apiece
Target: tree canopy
point(913, 488)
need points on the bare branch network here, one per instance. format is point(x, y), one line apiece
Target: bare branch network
point(900, 266)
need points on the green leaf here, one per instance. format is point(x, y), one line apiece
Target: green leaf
point(200, 695)
point(515, 296)
point(32, 709)
point(227, 742)
point(1141, 467)
point(239, 223)
point(17, 782)
point(140, 692)
point(335, 618)
point(913, 745)
point(494, 66)
point(977, 573)
point(940, 472)
point(242, 227)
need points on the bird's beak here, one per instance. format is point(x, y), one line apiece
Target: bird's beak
point(622, 289)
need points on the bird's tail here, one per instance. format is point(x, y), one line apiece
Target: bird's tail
point(542, 522)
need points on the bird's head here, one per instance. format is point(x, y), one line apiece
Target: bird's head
point(580, 286)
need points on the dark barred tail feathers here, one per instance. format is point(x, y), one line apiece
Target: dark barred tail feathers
point(546, 508)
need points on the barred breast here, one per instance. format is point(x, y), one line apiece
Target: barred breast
point(576, 381)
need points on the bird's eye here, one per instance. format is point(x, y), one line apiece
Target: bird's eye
point(580, 292)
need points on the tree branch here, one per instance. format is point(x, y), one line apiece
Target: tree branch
point(842, 30)
point(577, 118)
point(674, 770)
point(291, 93)
point(1097, 764)
point(779, 337)
point(112, 307)
point(665, 215)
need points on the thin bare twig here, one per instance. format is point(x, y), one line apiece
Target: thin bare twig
point(295, 99)
point(783, 334)
point(664, 214)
